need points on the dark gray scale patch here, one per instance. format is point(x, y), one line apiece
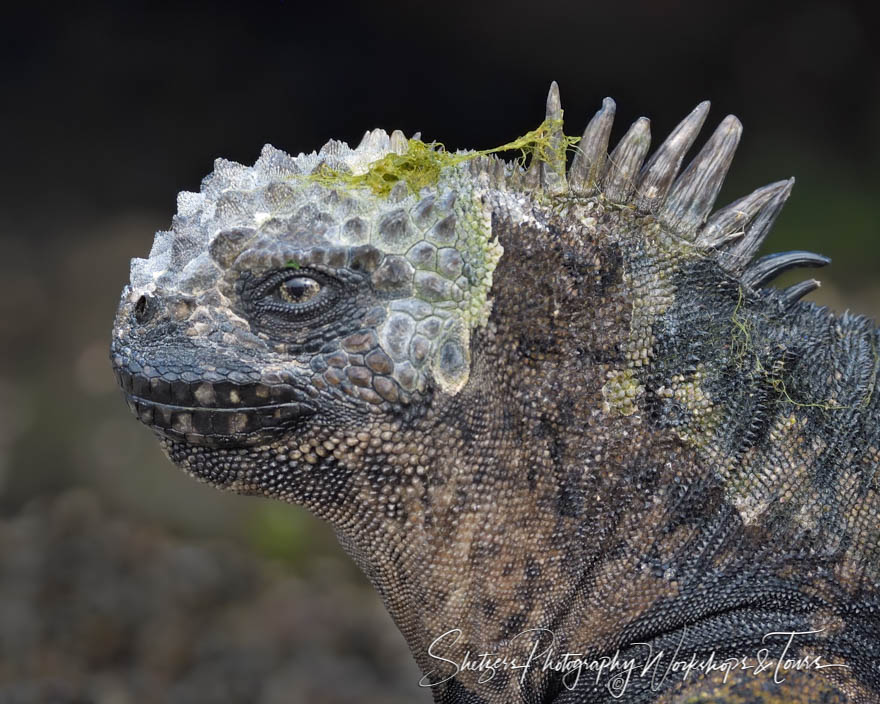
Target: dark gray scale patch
point(444, 231)
point(233, 204)
point(277, 195)
point(451, 358)
point(309, 226)
point(423, 255)
point(423, 213)
point(394, 227)
point(356, 229)
point(570, 499)
point(225, 247)
point(394, 275)
point(365, 258)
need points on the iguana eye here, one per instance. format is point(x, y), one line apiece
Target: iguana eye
point(294, 296)
point(299, 289)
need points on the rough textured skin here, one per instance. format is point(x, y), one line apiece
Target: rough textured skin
point(611, 431)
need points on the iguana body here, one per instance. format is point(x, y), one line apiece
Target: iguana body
point(532, 399)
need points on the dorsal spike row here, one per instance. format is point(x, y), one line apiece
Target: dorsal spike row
point(682, 202)
point(662, 168)
point(769, 267)
point(625, 161)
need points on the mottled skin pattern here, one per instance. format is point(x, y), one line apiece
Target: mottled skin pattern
point(611, 431)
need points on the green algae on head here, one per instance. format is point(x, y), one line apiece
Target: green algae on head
point(419, 166)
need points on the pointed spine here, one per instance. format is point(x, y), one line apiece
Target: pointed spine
point(769, 267)
point(663, 166)
point(626, 160)
point(695, 191)
point(550, 170)
point(730, 221)
point(498, 172)
point(365, 140)
point(737, 256)
point(592, 152)
point(531, 178)
point(377, 140)
point(398, 142)
point(793, 294)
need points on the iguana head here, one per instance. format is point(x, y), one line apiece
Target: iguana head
point(302, 301)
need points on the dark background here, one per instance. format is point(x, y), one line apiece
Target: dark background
point(122, 580)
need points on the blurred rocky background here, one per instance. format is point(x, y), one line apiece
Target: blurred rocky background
point(121, 580)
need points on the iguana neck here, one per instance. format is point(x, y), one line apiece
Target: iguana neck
point(536, 489)
point(518, 512)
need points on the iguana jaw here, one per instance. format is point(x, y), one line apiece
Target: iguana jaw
point(218, 414)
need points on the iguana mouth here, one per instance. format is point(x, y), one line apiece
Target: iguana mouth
point(204, 412)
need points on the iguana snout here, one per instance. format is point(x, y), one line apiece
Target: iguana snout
point(199, 393)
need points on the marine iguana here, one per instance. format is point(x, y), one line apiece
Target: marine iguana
point(553, 413)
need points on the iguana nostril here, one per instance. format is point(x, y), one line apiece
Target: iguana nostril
point(143, 310)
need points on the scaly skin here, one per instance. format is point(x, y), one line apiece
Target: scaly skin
point(533, 400)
